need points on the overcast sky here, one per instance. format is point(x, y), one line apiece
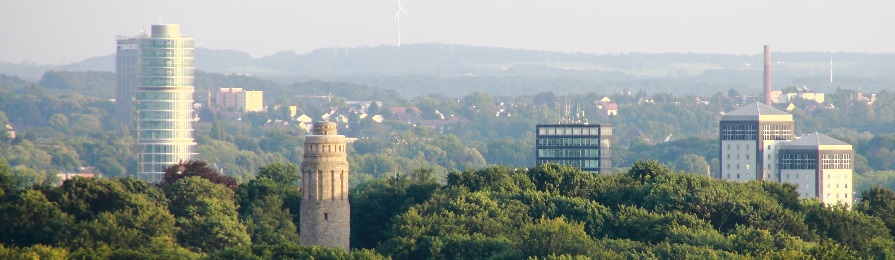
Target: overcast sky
point(57, 32)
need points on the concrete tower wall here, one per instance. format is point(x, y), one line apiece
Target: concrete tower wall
point(325, 211)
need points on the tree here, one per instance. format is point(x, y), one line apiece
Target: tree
point(646, 170)
point(205, 215)
point(283, 173)
point(554, 237)
point(198, 169)
point(879, 202)
point(29, 218)
point(695, 164)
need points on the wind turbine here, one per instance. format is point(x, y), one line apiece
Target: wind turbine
point(398, 20)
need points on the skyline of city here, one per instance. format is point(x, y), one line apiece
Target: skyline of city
point(692, 26)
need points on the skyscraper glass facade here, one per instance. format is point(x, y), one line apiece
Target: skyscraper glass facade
point(164, 101)
point(584, 146)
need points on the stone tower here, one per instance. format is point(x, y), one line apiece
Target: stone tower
point(325, 213)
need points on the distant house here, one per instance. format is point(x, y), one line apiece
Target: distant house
point(405, 113)
point(10, 132)
point(83, 172)
point(635, 134)
point(608, 107)
point(862, 98)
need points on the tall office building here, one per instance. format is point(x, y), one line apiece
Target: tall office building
point(127, 71)
point(164, 101)
point(820, 166)
point(748, 137)
point(586, 146)
point(757, 143)
point(325, 212)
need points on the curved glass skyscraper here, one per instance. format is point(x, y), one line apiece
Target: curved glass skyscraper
point(164, 101)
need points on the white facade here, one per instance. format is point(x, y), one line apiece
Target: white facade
point(164, 102)
point(739, 160)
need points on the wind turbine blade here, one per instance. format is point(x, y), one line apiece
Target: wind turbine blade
point(397, 13)
point(402, 10)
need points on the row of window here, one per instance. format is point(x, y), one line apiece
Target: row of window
point(166, 82)
point(167, 63)
point(568, 153)
point(167, 148)
point(166, 134)
point(837, 186)
point(776, 132)
point(738, 175)
point(177, 52)
point(737, 147)
point(164, 95)
point(324, 148)
point(738, 156)
point(574, 130)
point(797, 161)
point(835, 161)
point(167, 72)
point(737, 132)
point(746, 166)
point(155, 43)
point(164, 159)
point(150, 115)
point(571, 141)
point(837, 195)
point(574, 163)
point(150, 105)
point(169, 125)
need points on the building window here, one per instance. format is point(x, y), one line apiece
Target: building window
point(738, 175)
point(325, 216)
point(728, 156)
point(747, 157)
point(738, 156)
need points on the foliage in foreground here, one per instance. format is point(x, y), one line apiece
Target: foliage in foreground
point(550, 212)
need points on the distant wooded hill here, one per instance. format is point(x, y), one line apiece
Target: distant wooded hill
point(457, 70)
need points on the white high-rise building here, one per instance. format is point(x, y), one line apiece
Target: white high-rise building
point(758, 143)
point(748, 137)
point(820, 166)
point(164, 101)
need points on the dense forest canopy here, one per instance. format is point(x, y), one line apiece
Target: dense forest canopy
point(648, 211)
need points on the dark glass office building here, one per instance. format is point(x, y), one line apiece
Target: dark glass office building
point(585, 146)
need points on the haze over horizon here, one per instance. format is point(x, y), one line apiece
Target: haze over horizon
point(50, 32)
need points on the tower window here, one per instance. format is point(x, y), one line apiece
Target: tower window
point(325, 216)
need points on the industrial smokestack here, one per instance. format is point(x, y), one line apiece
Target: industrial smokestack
point(767, 75)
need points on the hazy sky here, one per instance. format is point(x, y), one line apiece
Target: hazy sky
point(44, 31)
